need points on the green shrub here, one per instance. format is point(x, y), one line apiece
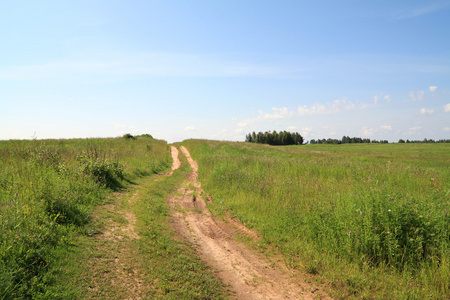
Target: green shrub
point(105, 171)
point(128, 136)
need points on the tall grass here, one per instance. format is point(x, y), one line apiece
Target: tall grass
point(47, 191)
point(374, 208)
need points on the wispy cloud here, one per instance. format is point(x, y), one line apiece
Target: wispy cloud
point(386, 127)
point(415, 96)
point(306, 131)
point(335, 106)
point(277, 113)
point(424, 111)
point(189, 128)
point(221, 133)
point(423, 10)
point(432, 88)
point(124, 128)
point(145, 64)
point(366, 131)
point(447, 107)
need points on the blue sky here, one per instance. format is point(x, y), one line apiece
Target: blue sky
point(221, 69)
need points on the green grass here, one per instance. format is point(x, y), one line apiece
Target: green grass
point(373, 220)
point(56, 199)
point(166, 268)
point(47, 195)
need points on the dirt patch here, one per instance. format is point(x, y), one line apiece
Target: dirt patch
point(250, 274)
point(114, 265)
point(176, 163)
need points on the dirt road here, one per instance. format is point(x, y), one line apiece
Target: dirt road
point(249, 274)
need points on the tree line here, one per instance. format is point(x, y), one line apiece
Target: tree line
point(401, 141)
point(275, 138)
point(347, 140)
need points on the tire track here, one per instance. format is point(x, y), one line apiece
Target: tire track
point(250, 275)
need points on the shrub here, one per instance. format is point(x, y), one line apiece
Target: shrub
point(128, 136)
point(104, 171)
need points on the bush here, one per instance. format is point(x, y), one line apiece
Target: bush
point(128, 136)
point(104, 171)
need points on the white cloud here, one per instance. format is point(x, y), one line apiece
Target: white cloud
point(415, 128)
point(148, 64)
point(239, 130)
point(424, 111)
point(243, 124)
point(425, 8)
point(333, 107)
point(386, 127)
point(446, 129)
point(413, 97)
point(375, 100)
point(367, 131)
point(234, 119)
point(387, 98)
point(221, 133)
point(278, 113)
point(432, 88)
point(306, 131)
point(123, 128)
point(189, 128)
point(447, 107)
point(291, 128)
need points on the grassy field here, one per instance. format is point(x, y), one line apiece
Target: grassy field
point(53, 195)
point(367, 220)
point(372, 220)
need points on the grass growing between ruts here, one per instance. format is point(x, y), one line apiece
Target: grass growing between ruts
point(48, 192)
point(149, 263)
point(372, 219)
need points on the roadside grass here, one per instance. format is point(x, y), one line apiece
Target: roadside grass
point(48, 189)
point(373, 220)
point(148, 263)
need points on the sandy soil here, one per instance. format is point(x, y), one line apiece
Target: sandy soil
point(175, 160)
point(249, 274)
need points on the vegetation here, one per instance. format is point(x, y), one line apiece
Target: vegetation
point(401, 141)
point(357, 140)
point(275, 138)
point(48, 190)
point(153, 264)
point(347, 140)
point(372, 219)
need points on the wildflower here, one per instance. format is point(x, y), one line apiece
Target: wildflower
point(389, 210)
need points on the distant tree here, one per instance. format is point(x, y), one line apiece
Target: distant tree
point(275, 138)
point(128, 136)
point(400, 141)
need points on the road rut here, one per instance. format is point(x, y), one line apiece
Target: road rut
point(249, 274)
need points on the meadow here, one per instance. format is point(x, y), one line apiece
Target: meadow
point(48, 189)
point(368, 220)
point(365, 220)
